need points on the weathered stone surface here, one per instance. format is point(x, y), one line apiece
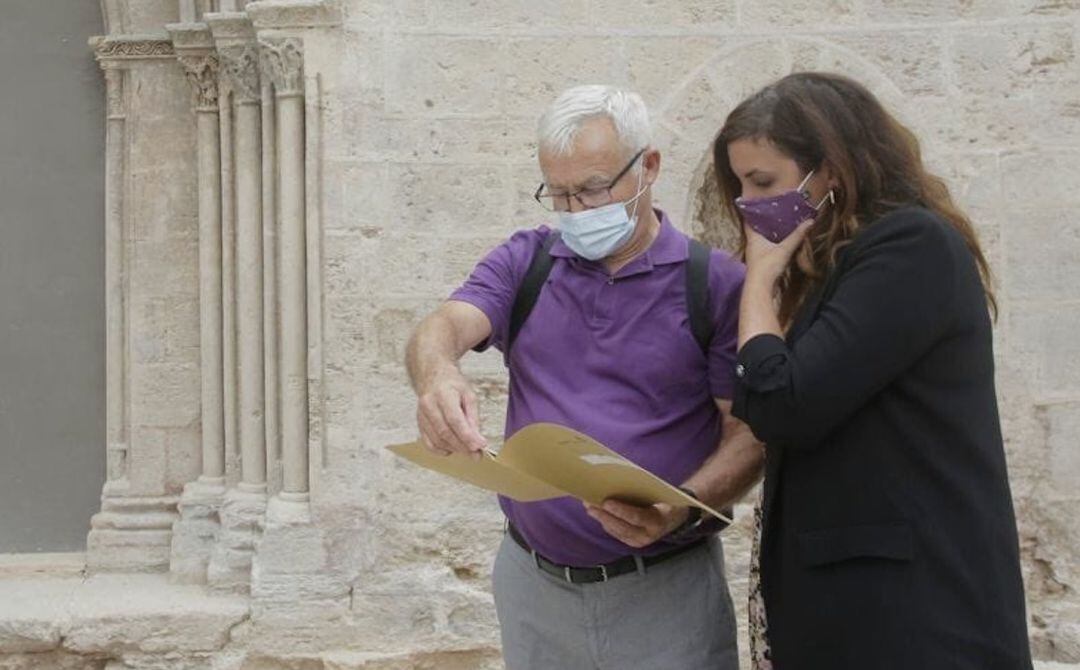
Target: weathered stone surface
point(425, 161)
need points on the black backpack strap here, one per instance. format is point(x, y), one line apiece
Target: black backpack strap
point(697, 295)
point(529, 290)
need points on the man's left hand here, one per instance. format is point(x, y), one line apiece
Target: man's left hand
point(637, 526)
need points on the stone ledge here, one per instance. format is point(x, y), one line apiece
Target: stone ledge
point(112, 615)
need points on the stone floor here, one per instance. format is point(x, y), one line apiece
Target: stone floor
point(55, 617)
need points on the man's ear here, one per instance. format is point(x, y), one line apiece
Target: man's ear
point(650, 160)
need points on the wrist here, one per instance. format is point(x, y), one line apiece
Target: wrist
point(691, 518)
point(438, 373)
point(761, 279)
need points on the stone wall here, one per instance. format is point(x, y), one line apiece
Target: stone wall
point(396, 149)
point(429, 161)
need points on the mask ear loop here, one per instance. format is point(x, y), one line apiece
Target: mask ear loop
point(828, 196)
point(640, 191)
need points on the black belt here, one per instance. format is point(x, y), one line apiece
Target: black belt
point(598, 573)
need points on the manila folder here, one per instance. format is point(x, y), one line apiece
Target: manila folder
point(546, 460)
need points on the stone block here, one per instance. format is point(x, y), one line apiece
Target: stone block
point(165, 330)
point(389, 400)
point(364, 128)
point(473, 16)
point(902, 11)
point(461, 254)
point(436, 76)
point(363, 68)
point(345, 264)
point(1042, 250)
point(371, 14)
point(538, 69)
point(393, 328)
point(483, 141)
point(163, 202)
point(646, 15)
point(1041, 178)
point(799, 15)
point(165, 394)
point(348, 333)
point(1062, 423)
point(165, 269)
point(1046, 337)
point(657, 66)
point(696, 113)
point(1014, 61)
point(118, 614)
point(448, 199)
point(912, 60)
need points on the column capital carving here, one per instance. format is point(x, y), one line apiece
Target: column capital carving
point(241, 67)
point(282, 60)
point(112, 51)
point(202, 73)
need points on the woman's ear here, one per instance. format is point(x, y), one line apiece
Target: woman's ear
point(832, 180)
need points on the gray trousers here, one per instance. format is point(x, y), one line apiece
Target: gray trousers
point(675, 616)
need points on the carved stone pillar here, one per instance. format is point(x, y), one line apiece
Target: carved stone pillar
point(291, 564)
point(197, 529)
point(132, 532)
point(283, 62)
point(245, 505)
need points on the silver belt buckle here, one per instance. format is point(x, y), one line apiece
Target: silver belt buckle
point(566, 573)
point(603, 573)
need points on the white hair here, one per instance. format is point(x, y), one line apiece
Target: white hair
point(560, 123)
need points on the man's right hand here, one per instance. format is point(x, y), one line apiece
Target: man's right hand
point(448, 416)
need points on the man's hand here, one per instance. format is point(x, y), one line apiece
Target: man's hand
point(638, 526)
point(448, 417)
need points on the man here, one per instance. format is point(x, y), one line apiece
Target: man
point(607, 347)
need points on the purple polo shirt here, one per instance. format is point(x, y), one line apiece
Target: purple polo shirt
point(614, 358)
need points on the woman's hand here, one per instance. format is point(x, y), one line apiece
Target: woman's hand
point(767, 261)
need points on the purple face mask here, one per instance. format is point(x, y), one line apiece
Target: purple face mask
point(776, 217)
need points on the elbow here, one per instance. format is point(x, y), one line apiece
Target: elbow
point(774, 419)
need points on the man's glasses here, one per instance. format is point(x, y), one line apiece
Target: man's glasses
point(588, 197)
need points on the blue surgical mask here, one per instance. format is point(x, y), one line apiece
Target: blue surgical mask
point(599, 232)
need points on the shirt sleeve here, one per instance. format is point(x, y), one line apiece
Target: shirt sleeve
point(493, 283)
point(726, 277)
point(890, 306)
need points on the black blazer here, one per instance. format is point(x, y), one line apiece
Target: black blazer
point(889, 538)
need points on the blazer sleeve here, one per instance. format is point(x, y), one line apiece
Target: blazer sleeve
point(891, 303)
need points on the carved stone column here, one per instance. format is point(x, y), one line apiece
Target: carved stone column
point(245, 505)
point(197, 529)
point(283, 62)
point(132, 532)
point(292, 565)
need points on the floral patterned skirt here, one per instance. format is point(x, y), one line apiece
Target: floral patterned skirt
point(760, 655)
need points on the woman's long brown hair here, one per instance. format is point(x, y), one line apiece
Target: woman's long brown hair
point(826, 119)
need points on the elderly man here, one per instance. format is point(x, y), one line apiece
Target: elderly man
point(619, 326)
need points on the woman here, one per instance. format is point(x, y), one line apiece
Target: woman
point(866, 366)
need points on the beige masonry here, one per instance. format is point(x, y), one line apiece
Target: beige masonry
point(292, 184)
